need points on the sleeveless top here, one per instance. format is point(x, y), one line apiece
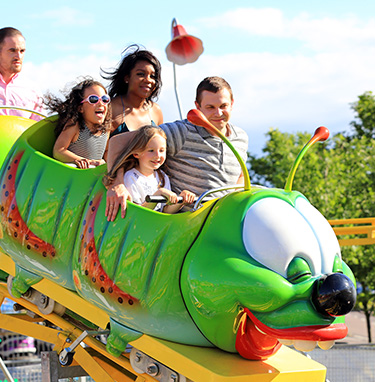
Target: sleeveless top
point(123, 128)
point(88, 145)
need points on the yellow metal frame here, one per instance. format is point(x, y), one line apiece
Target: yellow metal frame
point(195, 363)
point(354, 227)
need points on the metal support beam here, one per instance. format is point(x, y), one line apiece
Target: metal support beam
point(52, 371)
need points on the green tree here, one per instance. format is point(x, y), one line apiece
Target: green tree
point(338, 179)
point(364, 126)
point(364, 108)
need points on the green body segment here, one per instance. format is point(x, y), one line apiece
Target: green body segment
point(54, 200)
point(190, 277)
point(216, 299)
point(50, 197)
point(12, 127)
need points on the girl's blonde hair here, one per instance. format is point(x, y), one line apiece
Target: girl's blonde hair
point(127, 161)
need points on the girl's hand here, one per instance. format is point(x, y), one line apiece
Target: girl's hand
point(96, 163)
point(172, 197)
point(188, 196)
point(82, 163)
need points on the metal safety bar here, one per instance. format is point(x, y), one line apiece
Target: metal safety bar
point(23, 109)
point(213, 191)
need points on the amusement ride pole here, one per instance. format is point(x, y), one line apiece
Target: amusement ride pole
point(182, 49)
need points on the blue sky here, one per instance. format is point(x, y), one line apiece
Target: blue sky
point(292, 65)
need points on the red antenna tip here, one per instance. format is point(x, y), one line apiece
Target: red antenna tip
point(322, 133)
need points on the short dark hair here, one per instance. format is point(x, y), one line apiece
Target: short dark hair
point(213, 85)
point(132, 54)
point(8, 32)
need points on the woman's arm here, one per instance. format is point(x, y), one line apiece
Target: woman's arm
point(117, 194)
point(156, 114)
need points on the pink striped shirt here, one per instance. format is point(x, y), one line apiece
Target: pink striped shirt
point(15, 94)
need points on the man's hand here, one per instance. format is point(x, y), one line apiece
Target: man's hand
point(188, 196)
point(117, 195)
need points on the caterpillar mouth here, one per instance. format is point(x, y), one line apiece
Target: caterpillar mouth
point(258, 341)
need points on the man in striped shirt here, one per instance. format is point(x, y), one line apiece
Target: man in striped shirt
point(197, 160)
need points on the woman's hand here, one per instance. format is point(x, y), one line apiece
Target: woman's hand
point(117, 195)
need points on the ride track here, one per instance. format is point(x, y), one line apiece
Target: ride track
point(273, 275)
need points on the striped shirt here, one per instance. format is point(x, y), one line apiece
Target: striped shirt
point(88, 145)
point(198, 161)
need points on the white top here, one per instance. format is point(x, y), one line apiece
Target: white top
point(139, 186)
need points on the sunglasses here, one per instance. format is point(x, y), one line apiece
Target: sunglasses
point(93, 99)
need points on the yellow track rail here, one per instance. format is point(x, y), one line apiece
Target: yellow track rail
point(356, 231)
point(195, 363)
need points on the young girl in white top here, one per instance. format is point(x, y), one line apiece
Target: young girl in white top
point(83, 126)
point(141, 161)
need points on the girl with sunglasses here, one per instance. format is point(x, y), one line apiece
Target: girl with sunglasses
point(134, 87)
point(83, 125)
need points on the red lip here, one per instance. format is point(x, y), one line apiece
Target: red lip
point(256, 345)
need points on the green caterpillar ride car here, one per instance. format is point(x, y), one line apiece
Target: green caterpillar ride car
point(245, 272)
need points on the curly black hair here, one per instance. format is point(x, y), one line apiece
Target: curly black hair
point(68, 109)
point(132, 54)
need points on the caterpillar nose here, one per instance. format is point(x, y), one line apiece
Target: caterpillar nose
point(334, 295)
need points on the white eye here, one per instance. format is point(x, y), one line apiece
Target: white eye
point(274, 233)
point(329, 246)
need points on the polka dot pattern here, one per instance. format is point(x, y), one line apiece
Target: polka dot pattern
point(90, 263)
point(10, 216)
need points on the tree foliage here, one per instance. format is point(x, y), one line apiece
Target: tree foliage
point(364, 108)
point(337, 176)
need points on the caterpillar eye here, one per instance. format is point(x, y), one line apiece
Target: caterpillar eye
point(298, 270)
point(274, 233)
point(295, 241)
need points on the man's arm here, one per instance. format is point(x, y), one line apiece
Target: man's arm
point(117, 194)
point(240, 179)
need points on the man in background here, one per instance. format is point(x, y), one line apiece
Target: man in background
point(12, 90)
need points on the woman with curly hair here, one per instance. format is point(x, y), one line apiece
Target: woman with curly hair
point(83, 125)
point(134, 87)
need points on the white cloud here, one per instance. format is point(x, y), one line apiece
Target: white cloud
point(65, 16)
point(294, 91)
point(318, 34)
